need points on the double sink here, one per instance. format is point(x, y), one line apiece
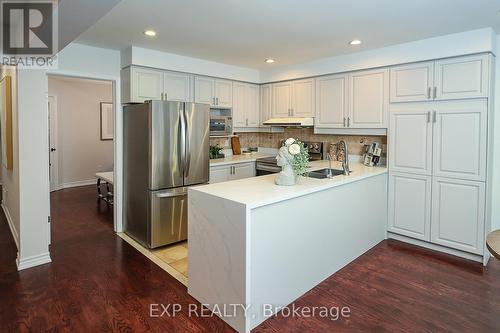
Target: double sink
point(325, 173)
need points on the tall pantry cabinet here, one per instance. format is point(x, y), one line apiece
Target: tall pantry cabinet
point(438, 158)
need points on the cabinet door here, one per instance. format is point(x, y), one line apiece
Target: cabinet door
point(464, 77)
point(204, 90)
point(239, 104)
point(282, 95)
point(458, 214)
point(178, 87)
point(219, 173)
point(265, 103)
point(412, 82)
point(410, 205)
point(369, 99)
point(410, 139)
point(224, 93)
point(303, 98)
point(331, 101)
point(147, 84)
point(460, 140)
point(253, 109)
point(242, 170)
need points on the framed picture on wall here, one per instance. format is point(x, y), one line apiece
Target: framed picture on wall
point(6, 121)
point(107, 126)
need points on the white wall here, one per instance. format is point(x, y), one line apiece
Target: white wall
point(469, 42)
point(10, 178)
point(81, 152)
point(34, 207)
point(152, 58)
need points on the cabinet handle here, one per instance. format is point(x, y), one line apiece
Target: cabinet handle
point(434, 116)
point(162, 96)
point(348, 121)
point(344, 121)
point(217, 100)
point(246, 122)
point(429, 93)
point(434, 93)
point(429, 117)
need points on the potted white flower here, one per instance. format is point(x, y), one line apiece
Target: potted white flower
point(293, 158)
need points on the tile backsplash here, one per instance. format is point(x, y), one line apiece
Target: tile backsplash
point(272, 140)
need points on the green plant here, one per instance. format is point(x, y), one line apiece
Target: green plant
point(300, 160)
point(214, 151)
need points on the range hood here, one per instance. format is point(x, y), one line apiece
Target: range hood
point(290, 122)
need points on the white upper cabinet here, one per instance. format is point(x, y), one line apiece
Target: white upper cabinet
point(142, 84)
point(410, 205)
point(331, 101)
point(458, 214)
point(369, 99)
point(204, 90)
point(463, 77)
point(410, 139)
point(178, 87)
point(454, 78)
point(412, 83)
point(246, 111)
point(224, 93)
point(266, 102)
point(217, 93)
point(460, 139)
point(303, 98)
point(282, 99)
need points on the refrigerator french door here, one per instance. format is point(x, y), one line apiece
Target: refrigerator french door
point(165, 151)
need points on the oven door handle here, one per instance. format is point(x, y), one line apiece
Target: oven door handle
point(267, 168)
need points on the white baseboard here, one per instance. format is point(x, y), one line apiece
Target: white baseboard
point(11, 225)
point(33, 261)
point(436, 247)
point(76, 184)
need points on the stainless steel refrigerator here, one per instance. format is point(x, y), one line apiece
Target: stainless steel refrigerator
point(166, 148)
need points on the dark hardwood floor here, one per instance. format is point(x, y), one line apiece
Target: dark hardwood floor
point(98, 283)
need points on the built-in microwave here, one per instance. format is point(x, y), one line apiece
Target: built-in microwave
point(221, 125)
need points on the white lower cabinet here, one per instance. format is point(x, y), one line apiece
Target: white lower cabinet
point(410, 205)
point(223, 173)
point(458, 214)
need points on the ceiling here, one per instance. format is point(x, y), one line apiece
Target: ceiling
point(245, 32)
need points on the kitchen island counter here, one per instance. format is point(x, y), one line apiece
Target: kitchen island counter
point(254, 245)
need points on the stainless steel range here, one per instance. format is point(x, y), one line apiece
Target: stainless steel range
point(268, 165)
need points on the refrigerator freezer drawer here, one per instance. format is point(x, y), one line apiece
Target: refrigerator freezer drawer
point(168, 216)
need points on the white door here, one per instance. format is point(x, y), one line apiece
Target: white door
point(410, 139)
point(331, 101)
point(253, 109)
point(219, 174)
point(369, 99)
point(239, 104)
point(412, 83)
point(282, 97)
point(459, 138)
point(463, 77)
point(178, 87)
point(458, 214)
point(53, 153)
point(303, 98)
point(410, 205)
point(204, 90)
point(224, 93)
point(265, 102)
point(147, 84)
point(242, 170)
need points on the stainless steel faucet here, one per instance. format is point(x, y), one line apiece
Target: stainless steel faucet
point(342, 146)
point(329, 157)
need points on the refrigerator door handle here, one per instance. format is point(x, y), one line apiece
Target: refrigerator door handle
point(187, 152)
point(183, 141)
point(177, 192)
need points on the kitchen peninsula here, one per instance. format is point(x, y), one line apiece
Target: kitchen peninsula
point(256, 244)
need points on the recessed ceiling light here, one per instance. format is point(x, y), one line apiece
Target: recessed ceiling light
point(269, 61)
point(355, 42)
point(150, 33)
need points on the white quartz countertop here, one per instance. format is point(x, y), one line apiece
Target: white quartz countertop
point(260, 191)
point(234, 159)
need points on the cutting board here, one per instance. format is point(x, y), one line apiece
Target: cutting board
point(235, 144)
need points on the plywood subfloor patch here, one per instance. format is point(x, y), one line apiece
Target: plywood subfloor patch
point(172, 259)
